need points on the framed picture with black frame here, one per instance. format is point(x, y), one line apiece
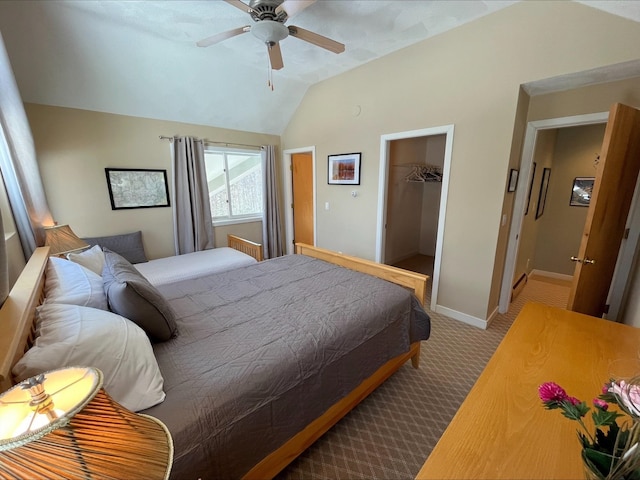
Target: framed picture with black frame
point(513, 180)
point(344, 169)
point(137, 188)
point(533, 176)
point(581, 191)
point(544, 187)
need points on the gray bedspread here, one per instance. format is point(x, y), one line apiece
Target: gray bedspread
point(265, 349)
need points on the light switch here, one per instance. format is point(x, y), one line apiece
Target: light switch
point(326, 205)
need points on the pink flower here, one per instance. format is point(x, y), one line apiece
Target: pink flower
point(601, 404)
point(573, 401)
point(629, 395)
point(552, 392)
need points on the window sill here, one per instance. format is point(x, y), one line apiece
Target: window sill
point(234, 221)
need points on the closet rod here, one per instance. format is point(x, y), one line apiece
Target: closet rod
point(164, 137)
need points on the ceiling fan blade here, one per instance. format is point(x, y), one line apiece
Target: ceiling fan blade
point(275, 56)
point(222, 36)
point(316, 39)
point(293, 7)
point(241, 5)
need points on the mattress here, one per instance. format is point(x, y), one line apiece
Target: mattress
point(265, 349)
point(162, 271)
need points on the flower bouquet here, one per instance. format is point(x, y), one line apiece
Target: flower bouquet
point(612, 451)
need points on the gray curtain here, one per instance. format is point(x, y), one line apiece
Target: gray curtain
point(272, 239)
point(19, 165)
point(192, 225)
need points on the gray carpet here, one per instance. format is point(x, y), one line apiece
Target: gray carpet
point(391, 433)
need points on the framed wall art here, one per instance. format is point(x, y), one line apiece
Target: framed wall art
point(137, 188)
point(544, 187)
point(513, 180)
point(581, 191)
point(533, 176)
point(344, 169)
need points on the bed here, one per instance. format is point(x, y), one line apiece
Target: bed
point(252, 420)
point(162, 271)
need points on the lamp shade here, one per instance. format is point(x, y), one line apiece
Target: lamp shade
point(62, 240)
point(63, 425)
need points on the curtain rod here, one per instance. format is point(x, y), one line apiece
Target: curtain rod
point(164, 137)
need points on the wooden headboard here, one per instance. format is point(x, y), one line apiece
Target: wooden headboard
point(245, 246)
point(18, 312)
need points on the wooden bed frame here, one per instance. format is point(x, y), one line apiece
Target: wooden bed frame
point(17, 325)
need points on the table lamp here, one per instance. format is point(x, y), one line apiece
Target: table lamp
point(62, 240)
point(63, 425)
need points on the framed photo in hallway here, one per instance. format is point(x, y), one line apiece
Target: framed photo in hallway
point(137, 188)
point(533, 176)
point(344, 169)
point(513, 180)
point(581, 191)
point(544, 187)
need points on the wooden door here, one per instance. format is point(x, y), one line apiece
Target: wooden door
point(613, 190)
point(302, 186)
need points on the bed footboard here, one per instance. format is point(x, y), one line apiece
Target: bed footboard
point(245, 246)
point(415, 281)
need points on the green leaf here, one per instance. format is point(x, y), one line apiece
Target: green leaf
point(603, 418)
point(574, 412)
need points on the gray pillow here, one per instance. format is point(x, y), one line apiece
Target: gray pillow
point(131, 295)
point(128, 245)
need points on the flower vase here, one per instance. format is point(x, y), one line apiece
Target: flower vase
point(590, 474)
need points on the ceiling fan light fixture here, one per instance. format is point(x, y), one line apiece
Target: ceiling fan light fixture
point(269, 32)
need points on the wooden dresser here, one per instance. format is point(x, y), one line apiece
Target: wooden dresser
point(501, 430)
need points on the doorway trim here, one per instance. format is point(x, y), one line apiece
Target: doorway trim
point(288, 195)
point(385, 141)
point(519, 203)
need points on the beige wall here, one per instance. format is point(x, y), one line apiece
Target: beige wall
point(469, 77)
point(561, 225)
point(74, 147)
point(543, 158)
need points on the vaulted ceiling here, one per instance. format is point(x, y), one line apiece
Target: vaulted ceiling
point(140, 58)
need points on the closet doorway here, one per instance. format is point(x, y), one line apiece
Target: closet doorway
point(414, 173)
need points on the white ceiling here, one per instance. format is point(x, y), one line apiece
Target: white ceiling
point(140, 58)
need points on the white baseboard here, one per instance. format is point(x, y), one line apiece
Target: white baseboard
point(462, 317)
point(560, 276)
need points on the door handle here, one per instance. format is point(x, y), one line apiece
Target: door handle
point(586, 261)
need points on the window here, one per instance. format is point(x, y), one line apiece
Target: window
point(235, 184)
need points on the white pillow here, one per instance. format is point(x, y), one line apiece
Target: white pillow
point(70, 335)
point(93, 258)
point(71, 283)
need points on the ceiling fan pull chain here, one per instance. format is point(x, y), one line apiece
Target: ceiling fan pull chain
point(269, 74)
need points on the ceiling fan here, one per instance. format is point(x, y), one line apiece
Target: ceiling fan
point(269, 27)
